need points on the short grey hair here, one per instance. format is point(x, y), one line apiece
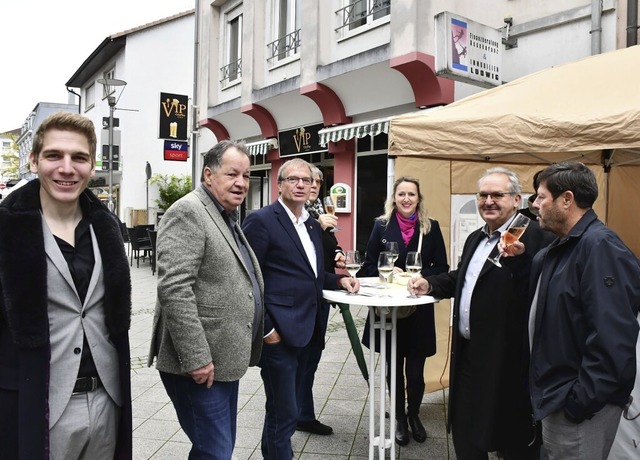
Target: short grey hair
point(213, 158)
point(514, 182)
point(295, 162)
point(315, 171)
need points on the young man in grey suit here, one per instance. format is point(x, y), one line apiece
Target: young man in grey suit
point(65, 308)
point(208, 322)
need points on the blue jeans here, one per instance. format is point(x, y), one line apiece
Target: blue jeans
point(279, 367)
point(207, 416)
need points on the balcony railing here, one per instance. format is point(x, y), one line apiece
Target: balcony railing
point(356, 14)
point(284, 46)
point(231, 71)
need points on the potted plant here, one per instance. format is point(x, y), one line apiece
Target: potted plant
point(171, 189)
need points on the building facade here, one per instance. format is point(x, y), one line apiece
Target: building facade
point(320, 79)
point(25, 139)
point(155, 60)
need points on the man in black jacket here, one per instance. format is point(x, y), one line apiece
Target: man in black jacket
point(65, 308)
point(489, 407)
point(583, 328)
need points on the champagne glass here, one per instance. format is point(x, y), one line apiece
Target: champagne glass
point(513, 233)
point(353, 264)
point(413, 266)
point(385, 265)
point(330, 207)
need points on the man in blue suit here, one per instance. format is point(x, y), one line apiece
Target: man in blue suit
point(288, 246)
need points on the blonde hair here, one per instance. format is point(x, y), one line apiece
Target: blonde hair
point(390, 205)
point(66, 121)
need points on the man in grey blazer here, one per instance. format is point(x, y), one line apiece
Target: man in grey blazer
point(208, 321)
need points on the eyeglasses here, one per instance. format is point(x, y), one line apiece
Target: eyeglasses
point(495, 196)
point(293, 180)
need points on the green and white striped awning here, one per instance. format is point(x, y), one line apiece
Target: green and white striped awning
point(354, 130)
point(262, 147)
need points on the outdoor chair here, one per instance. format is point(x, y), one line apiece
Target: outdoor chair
point(125, 237)
point(153, 234)
point(140, 243)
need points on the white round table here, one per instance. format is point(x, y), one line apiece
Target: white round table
point(375, 294)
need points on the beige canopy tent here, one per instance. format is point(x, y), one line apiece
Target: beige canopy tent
point(587, 110)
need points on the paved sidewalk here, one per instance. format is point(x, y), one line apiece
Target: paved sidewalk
point(340, 392)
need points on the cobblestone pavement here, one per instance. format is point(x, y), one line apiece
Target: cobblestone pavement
point(340, 395)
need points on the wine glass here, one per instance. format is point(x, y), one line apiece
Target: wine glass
point(330, 207)
point(385, 265)
point(353, 264)
point(513, 233)
point(413, 266)
point(392, 247)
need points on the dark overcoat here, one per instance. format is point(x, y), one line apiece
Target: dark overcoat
point(24, 323)
point(416, 333)
point(501, 411)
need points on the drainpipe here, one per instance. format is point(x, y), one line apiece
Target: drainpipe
point(632, 22)
point(79, 99)
point(194, 105)
point(596, 26)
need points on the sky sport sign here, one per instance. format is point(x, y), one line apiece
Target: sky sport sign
point(176, 151)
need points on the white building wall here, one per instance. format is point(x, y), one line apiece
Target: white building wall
point(154, 60)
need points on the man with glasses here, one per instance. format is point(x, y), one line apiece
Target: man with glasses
point(489, 406)
point(288, 246)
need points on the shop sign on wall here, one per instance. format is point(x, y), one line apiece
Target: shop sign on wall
point(173, 116)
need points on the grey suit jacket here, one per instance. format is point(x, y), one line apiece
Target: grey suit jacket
point(205, 306)
point(68, 317)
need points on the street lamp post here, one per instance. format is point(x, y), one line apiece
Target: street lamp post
point(110, 83)
point(147, 171)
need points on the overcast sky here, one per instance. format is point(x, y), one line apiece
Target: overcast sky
point(43, 43)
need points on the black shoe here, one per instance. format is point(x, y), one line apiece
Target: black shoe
point(402, 431)
point(315, 427)
point(419, 433)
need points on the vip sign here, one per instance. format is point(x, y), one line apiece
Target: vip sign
point(173, 116)
point(300, 141)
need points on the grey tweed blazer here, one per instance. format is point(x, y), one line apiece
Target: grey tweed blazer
point(205, 306)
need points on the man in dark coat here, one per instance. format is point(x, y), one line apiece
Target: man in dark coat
point(489, 408)
point(583, 327)
point(65, 308)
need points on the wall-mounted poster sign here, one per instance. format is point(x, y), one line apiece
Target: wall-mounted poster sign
point(173, 116)
point(468, 51)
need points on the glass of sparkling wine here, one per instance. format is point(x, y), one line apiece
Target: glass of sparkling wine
point(330, 208)
point(513, 233)
point(353, 264)
point(413, 266)
point(385, 265)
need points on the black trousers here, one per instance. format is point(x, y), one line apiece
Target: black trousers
point(413, 368)
point(462, 424)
